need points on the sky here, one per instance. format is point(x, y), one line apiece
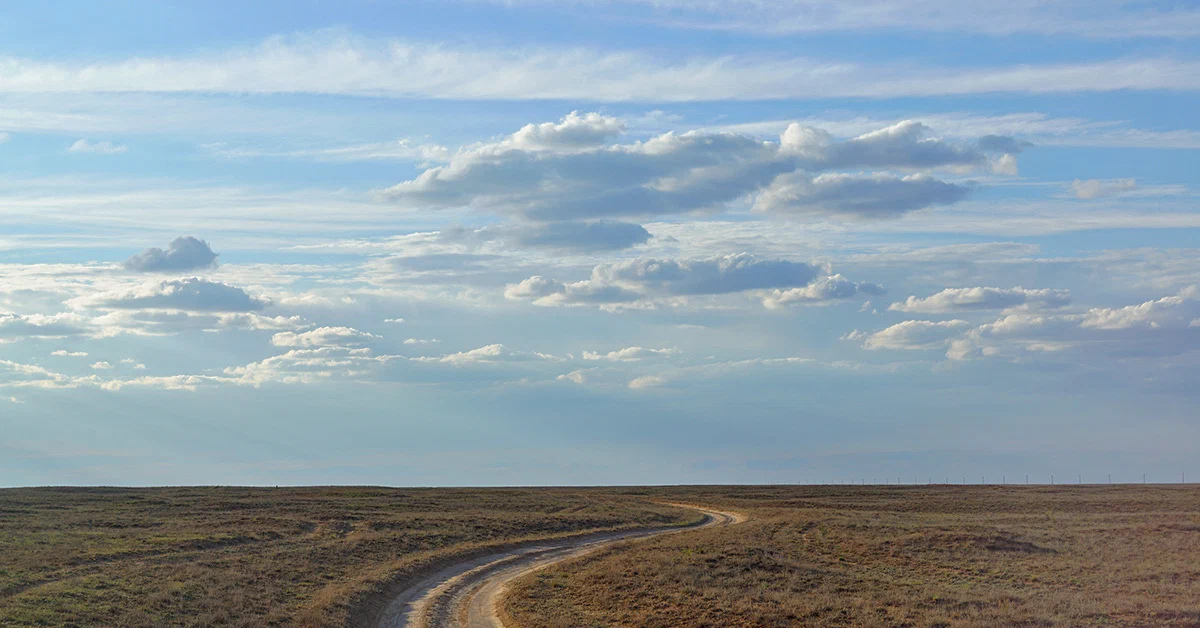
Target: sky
point(488, 242)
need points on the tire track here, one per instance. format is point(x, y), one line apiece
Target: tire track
point(467, 594)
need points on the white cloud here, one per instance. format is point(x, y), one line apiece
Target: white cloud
point(912, 335)
point(184, 253)
point(404, 150)
point(4, 137)
point(250, 320)
point(322, 337)
point(983, 298)
point(15, 326)
point(629, 354)
point(1035, 127)
point(188, 383)
point(536, 287)
point(421, 341)
point(875, 195)
point(159, 322)
point(104, 147)
point(101, 366)
point(1171, 311)
point(823, 290)
point(1071, 18)
point(650, 281)
point(569, 235)
point(487, 354)
point(646, 381)
point(309, 366)
point(1096, 188)
point(694, 171)
point(395, 321)
point(578, 376)
point(69, 354)
point(1152, 329)
point(16, 374)
point(354, 66)
point(188, 294)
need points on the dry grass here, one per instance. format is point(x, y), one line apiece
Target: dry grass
point(896, 556)
point(259, 557)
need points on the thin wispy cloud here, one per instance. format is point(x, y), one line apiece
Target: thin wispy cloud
point(103, 147)
point(346, 65)
point(1105, 19)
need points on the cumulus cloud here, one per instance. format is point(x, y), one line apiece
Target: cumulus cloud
point(421, 341)
point(906, 144)
point(646, 381)
point(650, 280)
point(876, 195)
point(184, 253)
point(308, 366)
point(69, 354)
point(983, 298)
point(1171, 311)
point(15, 326)
point(535, 287)
point(912, 335)
point(577, 376)
point(105, 147)
point(17, 374)
point(629, 354)
point(1096, 188)
point(322, 337)
point(575, 131)
point(1160, 327)
point(823, 290)
point(541, 177)
point(169, 321)
point(186, 294)
point(101, 366)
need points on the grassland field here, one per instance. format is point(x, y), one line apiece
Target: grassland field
point(252, 557)
point(894, 556)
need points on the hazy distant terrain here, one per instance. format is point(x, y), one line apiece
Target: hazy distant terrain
point(897, 556)
point(259, 557)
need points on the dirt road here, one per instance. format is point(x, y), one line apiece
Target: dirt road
point(466, 595)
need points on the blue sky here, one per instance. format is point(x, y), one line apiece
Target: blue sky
point(594, 242)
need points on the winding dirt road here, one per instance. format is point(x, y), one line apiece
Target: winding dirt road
point(466, 595)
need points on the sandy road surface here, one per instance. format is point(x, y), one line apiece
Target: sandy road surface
point(466, 595)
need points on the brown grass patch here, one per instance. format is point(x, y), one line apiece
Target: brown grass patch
point(308, 557)
point(895, 557)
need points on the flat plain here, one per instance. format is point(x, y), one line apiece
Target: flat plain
point(911, 556)
point(897, 556)
point(249, 557)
